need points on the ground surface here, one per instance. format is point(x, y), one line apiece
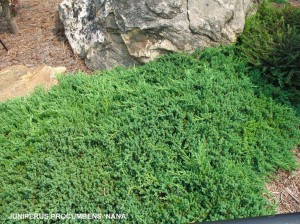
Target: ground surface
point(286, 189)
point(42, 42)
point(295, 3)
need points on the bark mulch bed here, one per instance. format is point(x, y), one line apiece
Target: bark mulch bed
point(41, 40)
point(285, 189)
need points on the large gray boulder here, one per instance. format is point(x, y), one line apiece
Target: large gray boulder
point(108, 33)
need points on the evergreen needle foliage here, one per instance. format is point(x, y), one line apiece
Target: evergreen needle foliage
point(271, 43)
point(177, 140)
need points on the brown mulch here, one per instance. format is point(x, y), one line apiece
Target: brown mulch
point(41, 40)
point(285, 189)
point(295, 3)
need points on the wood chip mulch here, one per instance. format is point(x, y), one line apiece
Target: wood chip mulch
point(285, 189)
point(295, 3)
point(41, 41)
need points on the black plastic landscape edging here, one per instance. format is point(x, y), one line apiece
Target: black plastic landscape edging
point(290, 218)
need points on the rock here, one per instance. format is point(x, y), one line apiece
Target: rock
point(108, 33)
point(19, 80)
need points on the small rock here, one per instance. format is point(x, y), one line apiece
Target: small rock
point(20, 80)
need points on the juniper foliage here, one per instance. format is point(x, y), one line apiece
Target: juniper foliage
point(271, 43)
point(177, 140)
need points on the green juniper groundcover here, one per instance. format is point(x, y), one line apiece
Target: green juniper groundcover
point(181, 139)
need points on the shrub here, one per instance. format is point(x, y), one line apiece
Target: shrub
point(271, 42)
point(178, 140)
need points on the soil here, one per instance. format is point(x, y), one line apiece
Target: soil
point(42, 41)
